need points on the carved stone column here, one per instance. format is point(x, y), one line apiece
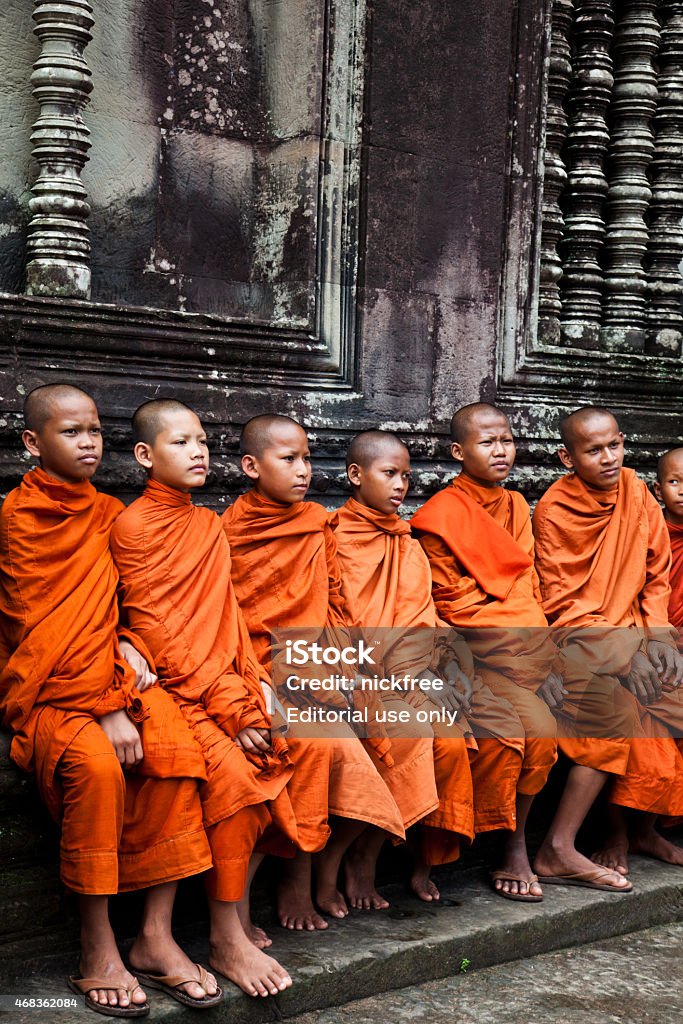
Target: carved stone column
point(555, 175)
point(588, 138)
point(665, 249)
point(633, 107)
point(58, 248)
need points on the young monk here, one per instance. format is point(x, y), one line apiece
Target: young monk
point(286, 575)
point(386, 585)
point(669, 490)
point(603, 559)
point(115, 765)
point(478, 539)
point(174, 564)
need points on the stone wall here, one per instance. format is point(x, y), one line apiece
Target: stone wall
point(323, 208)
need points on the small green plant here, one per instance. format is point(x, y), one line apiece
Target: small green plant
point(464, 964)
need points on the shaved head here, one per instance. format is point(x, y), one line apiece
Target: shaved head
point(257, 433)
point(40, 404)
point(668, 463)
point(148, 420)
point(370, 445)
point(577, 423)
point(464, 418)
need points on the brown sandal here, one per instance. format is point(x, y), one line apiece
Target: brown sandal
point(520, 897)
point(82, 986)
point(170, 984)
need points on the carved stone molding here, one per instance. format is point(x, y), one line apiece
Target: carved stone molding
point(549, 305)
point(634, 103)
point(586, 185)
point(665, 247)
point(58, 246)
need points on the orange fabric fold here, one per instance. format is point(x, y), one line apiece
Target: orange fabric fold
point(286, 575)
point(386, 585)
point(603, 559)
point(676, 576)
point(504, 626)
point(177, 596)
point(61, 670)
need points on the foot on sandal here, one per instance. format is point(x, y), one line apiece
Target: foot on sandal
point(512, 887)
point(125, 1006)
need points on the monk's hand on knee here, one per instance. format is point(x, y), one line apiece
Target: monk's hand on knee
point(460, 684)
point(124, 738)
point(144, 676)
point(667, 662)
point(252, 740)
point(643, 680)
point(552, 691)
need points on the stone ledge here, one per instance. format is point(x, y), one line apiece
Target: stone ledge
point(410, 943)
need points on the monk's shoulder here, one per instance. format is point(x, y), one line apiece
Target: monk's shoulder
point(108, 507)
point(520, 505)
point(129, 522)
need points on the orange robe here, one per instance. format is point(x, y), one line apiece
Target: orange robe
point(387, 589)
point(676, 576)
point(61, 671)
point(286, 576)
point(174, 563)
point(480, 548)
point(603, 559)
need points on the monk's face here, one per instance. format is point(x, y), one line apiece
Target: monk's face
point(596, 453)
point(384, 482)
point(69, 444)
point(669, 489)
point(179, 456)
point(282, 471)
point(488, 451)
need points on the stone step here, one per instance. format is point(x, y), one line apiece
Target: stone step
point(375, 952)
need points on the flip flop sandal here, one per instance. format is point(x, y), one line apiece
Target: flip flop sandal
point(587, 880)
point(170, 984)
point(520, 897)
point(82, 986)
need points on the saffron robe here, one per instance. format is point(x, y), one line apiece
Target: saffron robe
point(286, 576)
point(61, 670)
point(174, 564)
point(603, 560)
point(676, 576)
point(386, 585)
point(480, 548)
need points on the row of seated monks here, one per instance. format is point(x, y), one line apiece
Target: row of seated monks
point(137, 656)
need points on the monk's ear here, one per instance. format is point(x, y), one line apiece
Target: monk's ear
point(457, 452)
point(31, 443)
point(658, 491)
point(565, 457)
point(143, 454)
point(355, 474)
point(250, 467)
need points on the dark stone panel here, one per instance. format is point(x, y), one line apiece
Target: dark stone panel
point(392, 183)
point(14, 221)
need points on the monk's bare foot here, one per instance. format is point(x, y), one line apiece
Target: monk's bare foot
point(359, 876)
point(558, 860)
point(330, 900)
point(253, 971)
point(255, 934)
point(159, 954)
point(613, 855)
point(422, 885)
point(295, 908)
point(650, 843)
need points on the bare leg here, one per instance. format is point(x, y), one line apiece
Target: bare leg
point(613, 853)
point(295, 908)
point(360, 863)
point(235, 956)
point(328, 862)
point(100, 957)
point(646, 840)
point(515, 859)
point(155, 950)
point(558, 854)
point(252, 931)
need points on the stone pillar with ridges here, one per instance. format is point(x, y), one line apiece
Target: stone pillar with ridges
point(58, 248)
point(587, 143)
